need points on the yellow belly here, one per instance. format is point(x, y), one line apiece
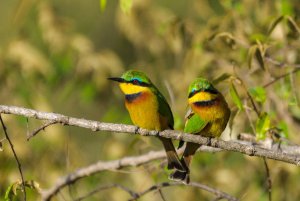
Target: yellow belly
point(144, 112)
point(217, 116)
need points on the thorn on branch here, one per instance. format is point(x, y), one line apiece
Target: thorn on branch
point(36, 131)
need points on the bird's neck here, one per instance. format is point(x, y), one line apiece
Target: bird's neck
point(210, 110)
point(134, 93)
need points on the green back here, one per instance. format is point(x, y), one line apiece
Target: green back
point(163, 107)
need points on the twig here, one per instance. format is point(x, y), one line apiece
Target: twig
point(278, 63)
point(214, 191)
point(280, 77)
point(98, 167)
point(36, 131)
point(248, 149)
point(269, 181)
point(161, 194)
point(289, 148)
point(101, 188)
point(15, 155)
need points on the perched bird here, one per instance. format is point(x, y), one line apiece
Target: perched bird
point(149, 109)
point(208, 117)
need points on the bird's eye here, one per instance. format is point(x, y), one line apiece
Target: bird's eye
point(193, 92)
point(135, 81)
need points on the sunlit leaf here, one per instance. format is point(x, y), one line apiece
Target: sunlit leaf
point(33, 185)
point(274, 24)
point(258, 93)
point(126, 5)
point(251, 53)
point(259, 54)
point(235, 97)
point(103, 5)
point(262, 126)
point(295, 30)
point(222, 34)
point(221, 78)
point(11, 191)
point(227, 38)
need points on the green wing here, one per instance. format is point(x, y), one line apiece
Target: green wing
point(164, 108)
point(194, 124)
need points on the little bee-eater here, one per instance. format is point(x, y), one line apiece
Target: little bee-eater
point(149, 109)
point(208, 117)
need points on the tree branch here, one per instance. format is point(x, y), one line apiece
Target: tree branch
point(101, 166)
point(101, 188)
point(216, 192)
point(247, 149)
point(119, 164)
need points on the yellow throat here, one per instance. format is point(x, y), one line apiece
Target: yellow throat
point(202, 96)
point(143, 110)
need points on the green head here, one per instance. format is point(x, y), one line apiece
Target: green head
point(201, 85)
point(133, 77)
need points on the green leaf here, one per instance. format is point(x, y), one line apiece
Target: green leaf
point(258, 93)
point(126, 5)
point(227, 37)
point(11, 191)
point(235, 97)
point(259, 54)
point(102, 4)
point(251, 53)
point(1, 146)
point(262, 126)
point(293, 26)
point(274, 24)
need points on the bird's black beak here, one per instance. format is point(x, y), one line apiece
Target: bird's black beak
point(117, 79)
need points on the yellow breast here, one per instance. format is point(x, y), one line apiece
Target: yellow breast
point(143, 110)
point(216, 114)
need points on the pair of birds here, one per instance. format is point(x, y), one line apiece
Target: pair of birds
point(149, 109)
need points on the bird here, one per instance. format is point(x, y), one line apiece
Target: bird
point(207, 116)
point(149, 109)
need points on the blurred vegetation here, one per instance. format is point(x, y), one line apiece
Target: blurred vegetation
point(55, 56)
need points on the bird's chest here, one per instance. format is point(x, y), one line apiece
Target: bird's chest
point(143, 110)
point(216, 115)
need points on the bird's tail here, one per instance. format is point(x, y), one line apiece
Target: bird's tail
point(187, 156)
point(173, 159)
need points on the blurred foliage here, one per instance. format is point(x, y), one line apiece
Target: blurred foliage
point(55, 56)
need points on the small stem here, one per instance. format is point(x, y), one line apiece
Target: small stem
point(15, 155)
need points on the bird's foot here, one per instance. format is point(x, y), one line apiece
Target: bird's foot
point(136, 130)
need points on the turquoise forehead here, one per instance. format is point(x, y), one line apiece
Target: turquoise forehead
point(133, 74)
point(200, 83)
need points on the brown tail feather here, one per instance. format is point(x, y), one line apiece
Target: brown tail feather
point(173, 159)
point(187, 156)
point(180, 176)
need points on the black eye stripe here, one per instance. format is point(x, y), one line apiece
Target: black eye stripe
point(138, 83)
point(210, 90)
